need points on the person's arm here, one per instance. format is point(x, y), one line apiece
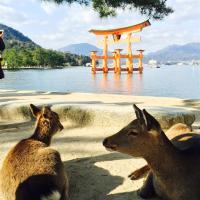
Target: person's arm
point(1, 33)
point(2, 44)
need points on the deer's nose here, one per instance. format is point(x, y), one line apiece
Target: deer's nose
point(105, 142)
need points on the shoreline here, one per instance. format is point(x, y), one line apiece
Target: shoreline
point(38, 67)
point(104, 97)
point(93, 93)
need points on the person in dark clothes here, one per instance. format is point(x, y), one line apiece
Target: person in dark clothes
point(2, 47)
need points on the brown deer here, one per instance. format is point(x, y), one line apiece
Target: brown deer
point(173, 132)
point(171, 163)
point(32, 170)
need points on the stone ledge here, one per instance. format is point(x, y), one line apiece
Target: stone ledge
point(169, 116)
point(104, 116)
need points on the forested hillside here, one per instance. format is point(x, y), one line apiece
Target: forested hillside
point(22, 51)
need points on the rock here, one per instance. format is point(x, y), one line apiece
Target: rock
point(99, 115)
point(170, 116)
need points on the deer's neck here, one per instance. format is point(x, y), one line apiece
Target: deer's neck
point(42, 135)
point(164, 157)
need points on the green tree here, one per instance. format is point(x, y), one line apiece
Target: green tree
point(19, 54)
point(156, 9)
point(13, 58)
point(53, 58)
point(26, 56)
point(39, 57)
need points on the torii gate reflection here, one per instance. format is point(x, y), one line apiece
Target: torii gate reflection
point(119, 83)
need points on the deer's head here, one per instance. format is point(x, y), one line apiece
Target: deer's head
point(48, 121)
point(138, 137)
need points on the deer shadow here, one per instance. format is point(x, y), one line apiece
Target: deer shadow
point(90, 182)
point(43, 186)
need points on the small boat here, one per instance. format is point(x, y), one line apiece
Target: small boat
point(88, 65)
point(153, 64)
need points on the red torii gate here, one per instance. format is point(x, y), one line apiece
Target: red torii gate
point(116, 57)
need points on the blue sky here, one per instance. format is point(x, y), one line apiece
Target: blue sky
point(53, 26)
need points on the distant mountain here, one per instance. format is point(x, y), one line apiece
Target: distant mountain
point(13, 37)
point(80, 49)
point(190, 51)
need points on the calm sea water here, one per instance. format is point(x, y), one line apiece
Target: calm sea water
point(167, 81)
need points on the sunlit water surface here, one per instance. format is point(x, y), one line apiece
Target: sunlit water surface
point(167, 81)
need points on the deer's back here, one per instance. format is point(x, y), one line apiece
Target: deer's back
point(34, 168)
point(187, 141)
point(183, 181)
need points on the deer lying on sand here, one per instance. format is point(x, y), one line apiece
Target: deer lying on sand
point(173, 132)
point(32, 170)
point(171, 163)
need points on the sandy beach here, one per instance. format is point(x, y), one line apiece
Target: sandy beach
point(94, 173)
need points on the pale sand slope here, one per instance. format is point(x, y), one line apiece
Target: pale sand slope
point(10, 96)
point(95, 174)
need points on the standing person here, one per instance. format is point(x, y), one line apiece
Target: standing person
point(2, 47)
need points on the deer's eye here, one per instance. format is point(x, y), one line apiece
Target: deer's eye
point(132, 133)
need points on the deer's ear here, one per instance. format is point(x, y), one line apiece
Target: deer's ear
point(140, 116)
point(35, 110)
point(151, 122)
point(138, 112)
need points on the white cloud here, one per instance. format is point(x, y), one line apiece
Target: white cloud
point(49, 8)
point(76, 23)
point(56, 26)
point(11, 16)
point(6, 1)
point(11, 2)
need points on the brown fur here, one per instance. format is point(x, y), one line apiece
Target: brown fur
point(174, 131)
point(171, 162)
point(32, 170)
